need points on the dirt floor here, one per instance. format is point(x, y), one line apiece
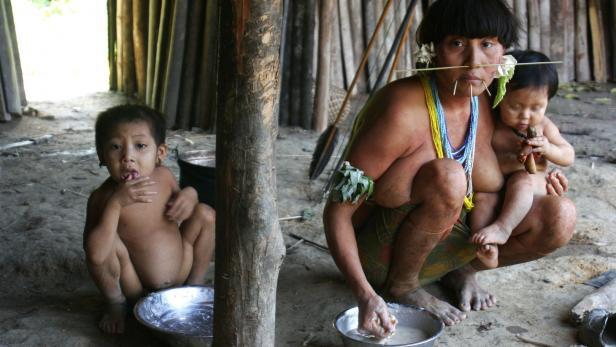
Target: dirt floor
point(48, 299)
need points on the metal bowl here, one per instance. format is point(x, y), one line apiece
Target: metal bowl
point(182, 316)
point(416, 327)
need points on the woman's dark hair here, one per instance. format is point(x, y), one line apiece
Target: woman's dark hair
point(112, 117)
point(533, 76)
point(468, 18)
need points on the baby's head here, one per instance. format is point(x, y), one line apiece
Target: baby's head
point(130, 141)
point(529, 91)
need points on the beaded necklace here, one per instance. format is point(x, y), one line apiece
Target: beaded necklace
point(465, 154)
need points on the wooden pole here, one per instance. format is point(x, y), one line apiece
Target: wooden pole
point(161, 50)
point(370, 20)
point(597, 35)
point(559, 42)
point(582, 64)
point(337, 70)
point(128, 53)
point(570, 33)
point(16, 59)
point(5, 116)
point(520, 10)
point(140, 39)
point(171, 89)
point(357, 38)
point(297, 77)
point(613, 29)
point(153, 23)
point(394, 65)
point(8, 73)
point(534, 25)
point(112, 38)
point(191, 64)
point(544, 17)
point(206, 100)
point(285, 63)
point(348, 58)
point(321, 98)
point(249, 244)
point(414, 27)
point(307, 61)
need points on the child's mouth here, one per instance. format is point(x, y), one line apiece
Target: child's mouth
point(130, 175)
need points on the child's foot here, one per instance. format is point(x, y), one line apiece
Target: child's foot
point(488, 256)
point(492, 234)
point(113, 318)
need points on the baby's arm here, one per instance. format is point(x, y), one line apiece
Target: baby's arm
point(182, 203)
point(552, 146)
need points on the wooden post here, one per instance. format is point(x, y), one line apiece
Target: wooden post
point(597, 35)
point(8, 74)
point(348, 58)
point(570, 33)
point(153, 23)
point(140, 39)
point(336, 72)
point(127, 52)
point(559, 42)
point(582, 64)
point(206, 93)
point(370, 19)
point(308, 57)
point(612, 22)
point(357, 37)
point(285, 63)
point(544, 13)
point(413, 41)
point(534, 25)
point(112, 38)
point(521, 13)
point(16, 59)
point(297, 77)
point(173, 75)
point(160, 61)
point(190, 65)
point(249, 245)
point(321, 98)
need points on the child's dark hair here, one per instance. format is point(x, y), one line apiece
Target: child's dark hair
point(110, 118)
point(468, 18)
point(533, 76)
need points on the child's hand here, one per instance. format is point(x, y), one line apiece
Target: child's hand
point(556, 183)
point(182, 204)
point(134, 191)
point(540, 145)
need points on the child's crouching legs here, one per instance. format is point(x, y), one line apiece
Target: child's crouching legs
point(117, 280)
point(198, 234)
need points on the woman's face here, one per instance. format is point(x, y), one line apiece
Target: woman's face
point(459, 50)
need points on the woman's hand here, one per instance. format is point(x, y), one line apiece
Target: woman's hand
point(134, 191)
point(182, 204)
point(374, 317)
point(556, 183)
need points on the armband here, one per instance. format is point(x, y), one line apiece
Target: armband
point(350, 184)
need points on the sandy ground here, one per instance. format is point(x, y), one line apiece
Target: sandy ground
point(48, 299)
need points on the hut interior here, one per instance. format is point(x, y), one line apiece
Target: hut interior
point(332, 55)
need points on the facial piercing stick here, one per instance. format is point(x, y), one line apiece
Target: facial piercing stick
point(486, 87)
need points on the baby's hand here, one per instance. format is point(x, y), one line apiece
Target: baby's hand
point(540, 145)
point(182, 204)
point(134, 191)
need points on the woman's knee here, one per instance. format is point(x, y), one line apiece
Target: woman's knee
point(559, 217)
point(448, 183)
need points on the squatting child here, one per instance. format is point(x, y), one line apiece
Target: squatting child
point(142, 232)
point(522, 107)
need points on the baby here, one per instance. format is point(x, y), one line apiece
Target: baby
point(142, 232)
point(521, 113)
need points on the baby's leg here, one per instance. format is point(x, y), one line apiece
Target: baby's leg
point(484, 211)
point(517, 202)
point(117, 279)
point(198, 236)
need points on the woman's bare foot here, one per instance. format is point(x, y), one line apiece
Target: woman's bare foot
point(113, 318)
point(488, 256)
point(493, 233)
point(419, 297)
point(470, 294)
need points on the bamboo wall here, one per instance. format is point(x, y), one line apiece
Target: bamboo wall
point(165, 52)
point(12, 93)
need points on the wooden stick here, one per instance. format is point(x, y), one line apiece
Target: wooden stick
point(140, 45)
point(597, 34)
point(112, 38)
point(480, 65)
point(582, 64)
point(285, 63)
point(357, 39)
point(206, 104)
point(312, 243)
point(307, 64)
point(296, 62)
point(153, 20)
point(321, 97)
point(177, 46)
point(407, 28)
point(363, 61)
